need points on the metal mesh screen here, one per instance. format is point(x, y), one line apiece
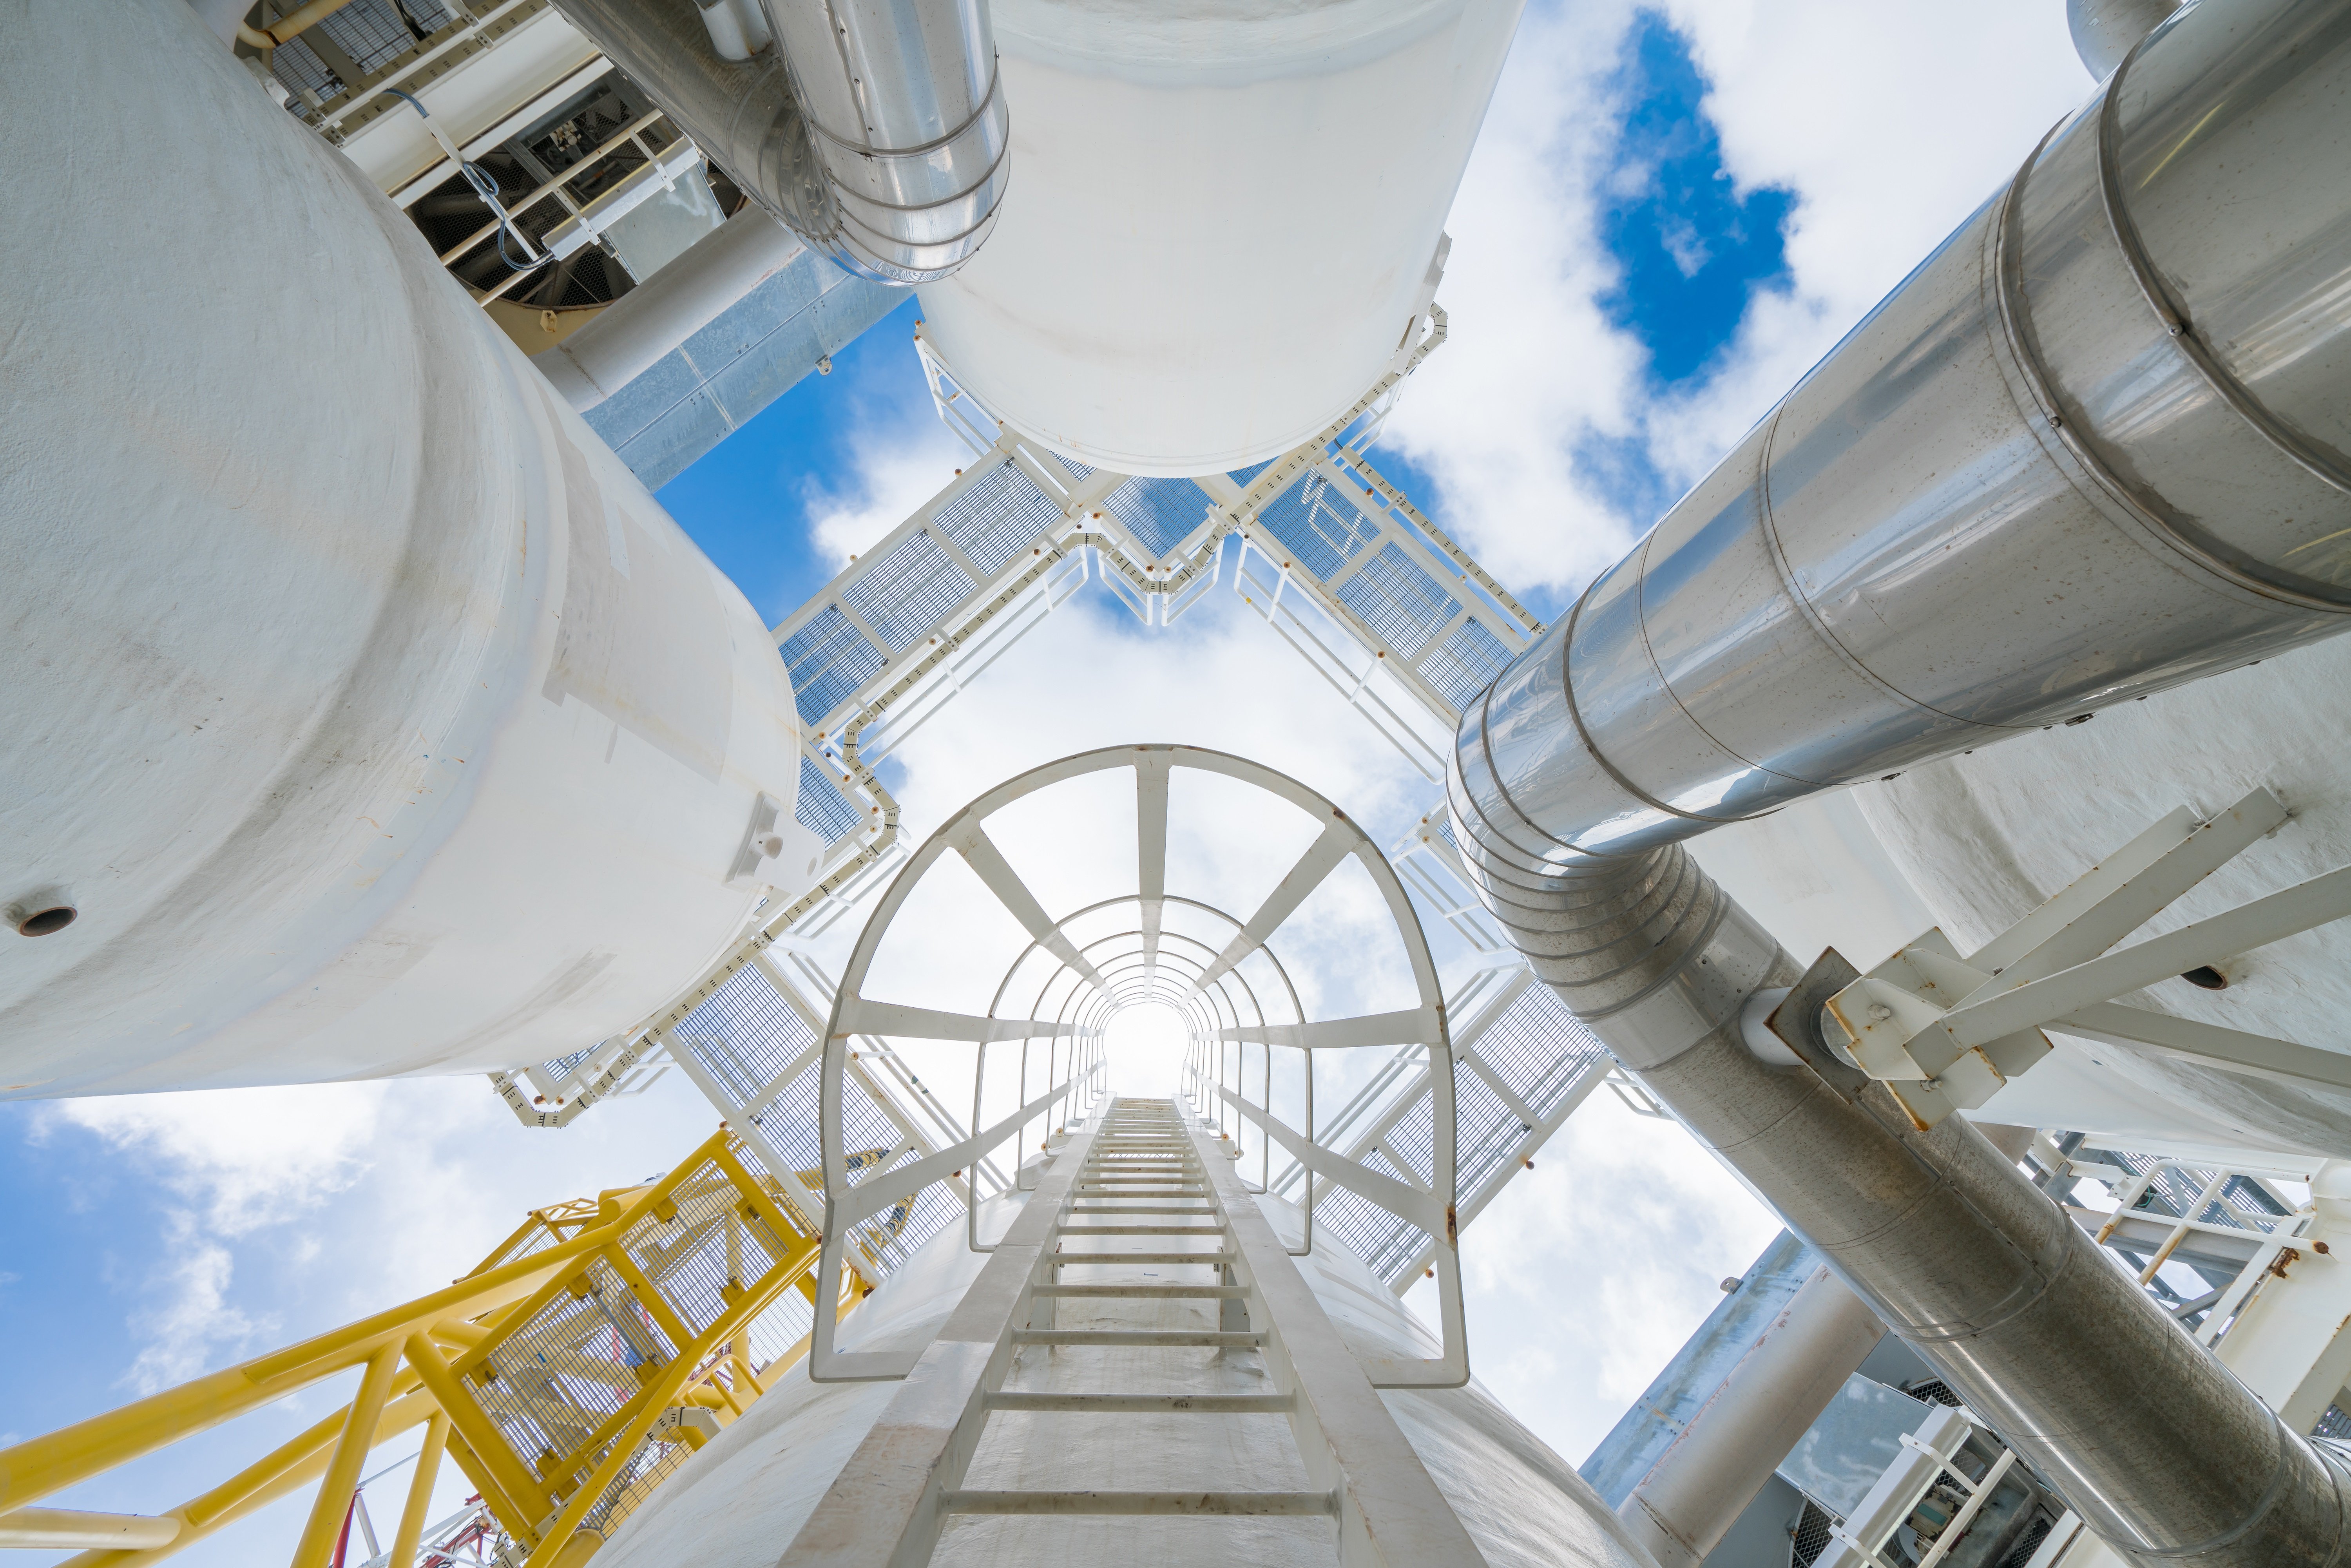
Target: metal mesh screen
point(1162, 512)
point(1386, 1244)
point(828, 660)
point(372, 32)
point(1000, 516)
point(1397, 600)
point(821, 807)
point(2028, 1542)
point(1811, 1537)
point(906, 591)
point(789, 1122)
point(1321, 534)
point(1465, 662)
point(745, 1035)
point(556, 1385)
point(1486, 1130)
point(562, 1065)
point(1539, 1048)
point(1541, 1051)
point(297, 65)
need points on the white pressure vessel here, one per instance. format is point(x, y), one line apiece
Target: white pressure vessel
point(1222, 217)
point(365, 712)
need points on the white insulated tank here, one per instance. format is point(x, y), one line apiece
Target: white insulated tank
point(1222, 217)
point(366, 712)
point(739, 1501)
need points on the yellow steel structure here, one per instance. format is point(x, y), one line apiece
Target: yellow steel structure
point(566, 1377)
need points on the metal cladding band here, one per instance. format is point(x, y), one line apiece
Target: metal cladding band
point(910, 198)
point(2092, 448)
point(906, 109)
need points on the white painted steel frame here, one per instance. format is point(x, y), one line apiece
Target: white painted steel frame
point(1079, 536)
point(1077, 997)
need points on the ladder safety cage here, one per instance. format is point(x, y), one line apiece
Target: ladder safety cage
point(1378, 599)
point(1218, 968)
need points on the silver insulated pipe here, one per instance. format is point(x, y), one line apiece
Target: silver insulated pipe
point(2093, 447)
point(876, 129)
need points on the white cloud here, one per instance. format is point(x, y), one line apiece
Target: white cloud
point(243, 1158)
point(899, 462)
point(1889, 125)
point(1531, 367)
point(227, 1164)
point(193, 1327)
point(1587, 1273)
point(282, 1212)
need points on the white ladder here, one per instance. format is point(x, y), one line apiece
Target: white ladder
point(1185, 1308)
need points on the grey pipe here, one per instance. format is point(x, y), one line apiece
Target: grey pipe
point(906, 110)
point(1696, 1491)
point(2093, 448)
point(642, 327)
point(877, 133)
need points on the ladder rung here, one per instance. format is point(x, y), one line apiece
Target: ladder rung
point(1140, 1404)
point(1144, 1257)
point(1151, 1292)
point(1139, 1230)
point(1289, 1504)
point(1213, 1339)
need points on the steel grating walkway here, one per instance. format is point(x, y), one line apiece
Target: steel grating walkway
point(1394, 616)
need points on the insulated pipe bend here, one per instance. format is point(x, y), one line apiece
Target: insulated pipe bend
point(2013, 495)
point(2167, 1456)
point(877, 131)
point(2093, 448)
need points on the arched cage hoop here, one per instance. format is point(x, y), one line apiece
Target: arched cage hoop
point(1234, 1028)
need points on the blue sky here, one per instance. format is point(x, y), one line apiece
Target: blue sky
point(1667, 221)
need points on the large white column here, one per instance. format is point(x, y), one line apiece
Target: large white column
point(1698, 1487)
point(631, 335)
point(368, 714)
